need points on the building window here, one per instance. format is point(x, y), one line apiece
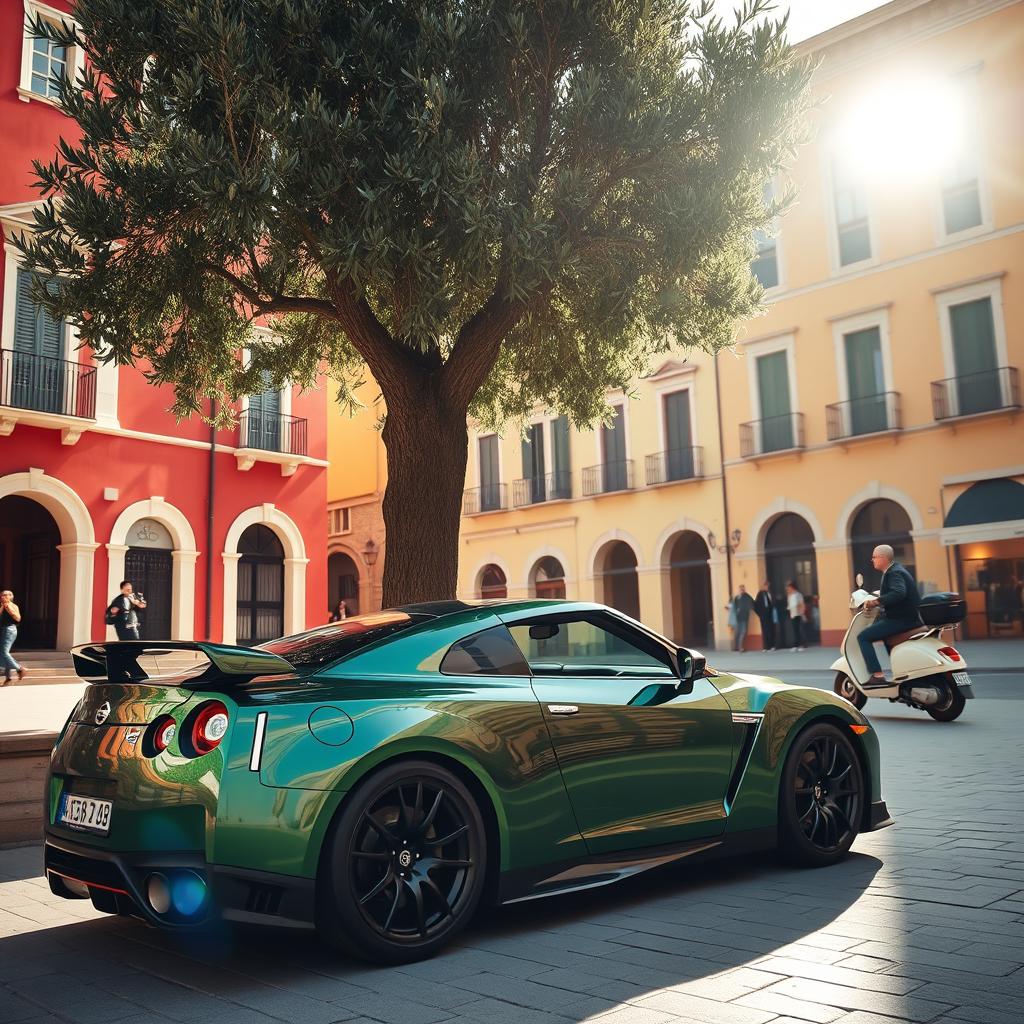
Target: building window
point(490, 473)
point(975, 356)
point(776, 426)
point(765, 266)
point(961, 173)
point(614, 466)
point(534, 468)
point(338, 520)
point(853, 231)
point(44, 62)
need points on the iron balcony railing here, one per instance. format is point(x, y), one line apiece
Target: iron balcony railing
point(46, 384)
point(273, 432)
point(870, 414)
point(608, 477)
point(488, 498)
point(971, 393)
point(774, 434)
point(675, 464)
point(532, 490)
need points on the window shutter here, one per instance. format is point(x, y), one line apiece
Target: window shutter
point(25, 316)
point(677, 421)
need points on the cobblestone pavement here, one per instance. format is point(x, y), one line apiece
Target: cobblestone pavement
point(924, 922)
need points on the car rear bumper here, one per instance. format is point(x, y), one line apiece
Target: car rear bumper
point(118, 883)
point(878, 816)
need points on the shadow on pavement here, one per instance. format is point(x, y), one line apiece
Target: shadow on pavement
point(573, 956)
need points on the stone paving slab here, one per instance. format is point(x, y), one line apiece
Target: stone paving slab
point(924, 922)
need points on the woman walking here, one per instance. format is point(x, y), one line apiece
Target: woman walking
point(10, 616)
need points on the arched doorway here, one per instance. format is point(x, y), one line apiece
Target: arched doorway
point(789, 555)
point(30, 566)
point(548, 579)
point(690, 581)
point(342, 582)
point(619, 585)
point(880, 522)
point(260, 601)
point(493, 584)
point(149, 566)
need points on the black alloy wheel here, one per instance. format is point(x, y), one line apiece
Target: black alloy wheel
point(822, 797)
point(406, 864)
point(845, 688)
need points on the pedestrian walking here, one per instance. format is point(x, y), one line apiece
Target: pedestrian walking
point(795, 607)
point(741, 606)
point(764, 607)
point(122, 612)
point(10, 616)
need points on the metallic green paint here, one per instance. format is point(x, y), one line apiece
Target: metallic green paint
point(643, 763)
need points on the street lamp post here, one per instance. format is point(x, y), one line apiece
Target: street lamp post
point(370, 553)
point(729, 547)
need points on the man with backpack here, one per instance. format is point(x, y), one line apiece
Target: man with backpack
point(122, 614)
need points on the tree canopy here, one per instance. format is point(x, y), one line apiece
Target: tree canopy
point(488, 203)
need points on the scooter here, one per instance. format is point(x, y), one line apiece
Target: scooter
point(927, 673)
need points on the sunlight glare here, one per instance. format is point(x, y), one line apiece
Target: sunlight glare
point(908, 128)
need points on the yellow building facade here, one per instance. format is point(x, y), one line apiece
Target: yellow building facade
point(877, 401)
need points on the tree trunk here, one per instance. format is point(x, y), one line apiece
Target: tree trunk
point(426, 446)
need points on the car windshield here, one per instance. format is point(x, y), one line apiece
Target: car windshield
point(327, 644)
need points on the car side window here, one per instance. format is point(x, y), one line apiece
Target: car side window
point(585, 646)
point(492, 653)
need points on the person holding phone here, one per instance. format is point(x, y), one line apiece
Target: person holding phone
point(10, 616)
point(122, 614)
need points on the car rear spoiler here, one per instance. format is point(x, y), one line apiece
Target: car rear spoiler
point(118, 661)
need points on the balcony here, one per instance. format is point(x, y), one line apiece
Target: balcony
point(675, 464)
point(608, 477)
point(535, 489)
point(773, 434)
point(870, 414)
point(271, 437)
point(490, 498)
point(974, 393)
point(45, 391)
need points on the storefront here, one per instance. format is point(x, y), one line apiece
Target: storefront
point(985, 528)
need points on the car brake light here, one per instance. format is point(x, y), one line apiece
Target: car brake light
point(950, 652)
point(209, 726)
point(159, 735)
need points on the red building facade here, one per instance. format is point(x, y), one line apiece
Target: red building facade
point(225, 535)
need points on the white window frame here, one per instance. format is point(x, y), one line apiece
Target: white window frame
point(990, 288)
point(973, 105)
point(859, 322)
point(776, 235)
point(76, 58)
point(660, 394)
point(284, 402)
point(829, 156)
point(766, 347)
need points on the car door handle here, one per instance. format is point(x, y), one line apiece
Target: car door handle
point(563, 709)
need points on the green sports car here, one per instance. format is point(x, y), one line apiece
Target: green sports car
point(381, 777)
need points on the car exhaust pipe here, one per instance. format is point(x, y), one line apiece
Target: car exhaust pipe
point(926, 695)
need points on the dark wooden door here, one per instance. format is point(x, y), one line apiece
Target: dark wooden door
point(260, 615)
point(150, 571)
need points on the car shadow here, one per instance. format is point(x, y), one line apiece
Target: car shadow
point(573, 956)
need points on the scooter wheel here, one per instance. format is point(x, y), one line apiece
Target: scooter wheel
point(952, 708)
point(845, 688)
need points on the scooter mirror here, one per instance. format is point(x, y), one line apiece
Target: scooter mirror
point(859, 579)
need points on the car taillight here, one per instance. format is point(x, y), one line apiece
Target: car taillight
point(209, 726)
point(163, 732)
point(950, 652)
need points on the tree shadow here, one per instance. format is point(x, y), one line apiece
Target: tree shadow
point(551, 960)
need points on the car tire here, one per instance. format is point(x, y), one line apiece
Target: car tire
point(952, 710)
point(403, 866)
point(821, 797)
point(844, 688)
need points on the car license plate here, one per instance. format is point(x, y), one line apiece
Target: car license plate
point(86, 812)
point(962, 678)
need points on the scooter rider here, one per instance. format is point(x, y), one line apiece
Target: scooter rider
point(899, 600)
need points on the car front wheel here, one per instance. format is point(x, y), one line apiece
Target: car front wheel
point(821, 800)
point(404, 865)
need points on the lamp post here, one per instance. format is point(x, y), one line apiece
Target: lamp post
point(370, 553)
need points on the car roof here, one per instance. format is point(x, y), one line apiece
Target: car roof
point(439, 609)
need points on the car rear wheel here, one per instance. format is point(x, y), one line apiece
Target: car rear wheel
point(404, 864)
point(821, 801)
point(845, 688)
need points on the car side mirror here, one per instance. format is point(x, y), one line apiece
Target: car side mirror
point(691, 667)
point(543, 631)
